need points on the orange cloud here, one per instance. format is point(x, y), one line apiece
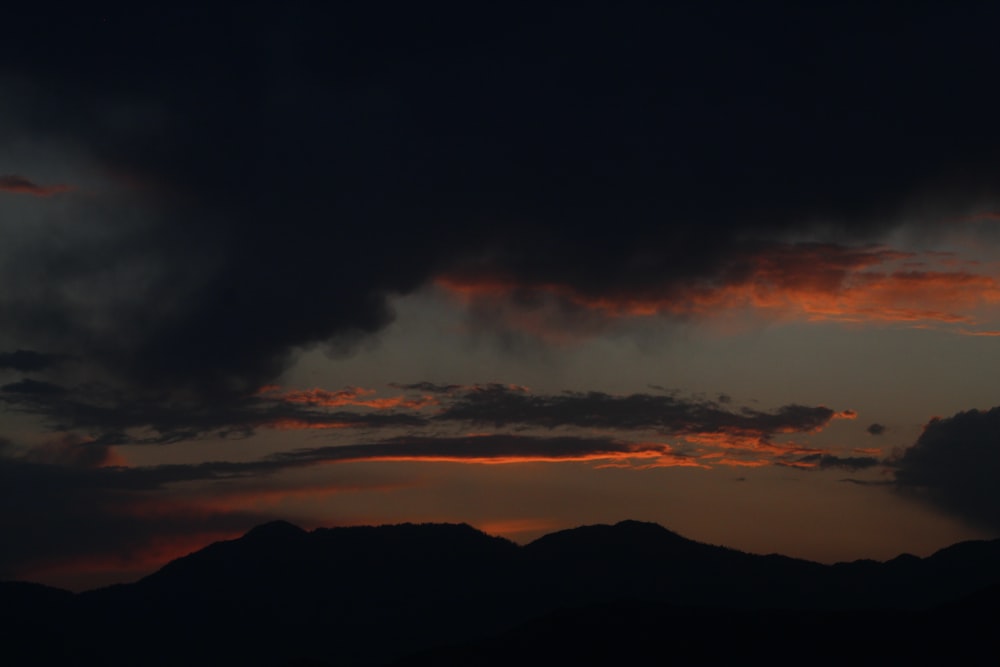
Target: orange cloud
point(811, 282)
point(870, 451)
point(709, 450)
point(745, 441)
point(659, 458)
point(912, 296)
point(805, 465)
point(987, 333)
point(744, 463)
point(493, 449)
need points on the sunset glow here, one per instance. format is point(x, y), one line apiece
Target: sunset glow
point(727, 268)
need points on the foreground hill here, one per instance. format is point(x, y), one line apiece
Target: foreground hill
point(372, 595)
point(647, 633)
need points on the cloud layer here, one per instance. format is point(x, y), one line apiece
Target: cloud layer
point(110, 417)
point(277, 177)
point(804, 281)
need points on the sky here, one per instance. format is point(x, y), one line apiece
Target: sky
point(730, 267)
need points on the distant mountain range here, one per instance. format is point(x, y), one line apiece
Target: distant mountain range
point(632, 593)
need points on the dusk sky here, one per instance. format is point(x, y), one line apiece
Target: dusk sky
point(730, 267)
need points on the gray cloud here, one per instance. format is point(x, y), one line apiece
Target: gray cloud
point(876, 429)
point(955, 465)
point(852, 463)
point(503, 406)
point(29, 387)
point(429, 387)
point(70, 450)
point(107, 414)
point(28, 361)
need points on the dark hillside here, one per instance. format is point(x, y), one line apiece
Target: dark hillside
point(371, 595)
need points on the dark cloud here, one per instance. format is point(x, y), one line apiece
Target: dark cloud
point(22, 186)
point(876, 429)
point(33, 388)
point(867, 482)
point(28, 361)
point(430, 387)
point(112, 417)
point(853, 463)
point(291, 169)
point(71, 450)
point(955, 465)
point(504, 406)
point(109, 416)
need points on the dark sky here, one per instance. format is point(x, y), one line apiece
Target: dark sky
point(702, 236)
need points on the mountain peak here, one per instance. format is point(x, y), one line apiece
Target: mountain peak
point(621, 537)
point(274, 530)
point(646, 527)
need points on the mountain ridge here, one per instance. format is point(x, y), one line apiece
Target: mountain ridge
point(281, 529)
point(372, 594)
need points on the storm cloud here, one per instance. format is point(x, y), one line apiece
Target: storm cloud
point(27, 361)
point(276, 176)
point(955, 465)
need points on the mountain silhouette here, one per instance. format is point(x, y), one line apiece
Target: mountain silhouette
point(430, 593)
